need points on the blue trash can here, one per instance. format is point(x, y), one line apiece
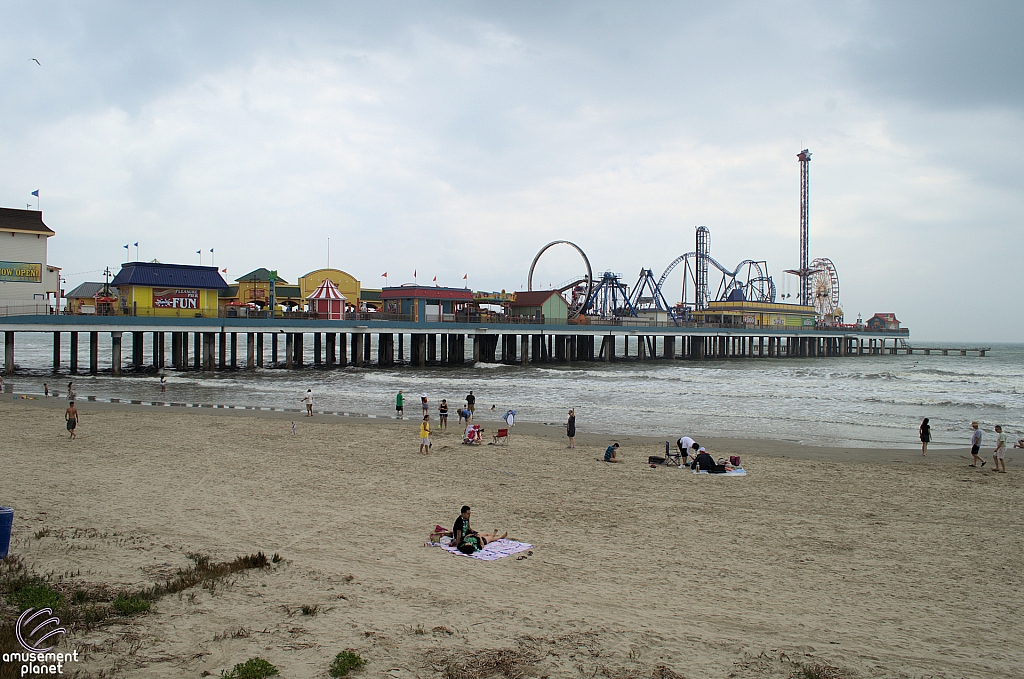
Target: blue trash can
point(6, 519)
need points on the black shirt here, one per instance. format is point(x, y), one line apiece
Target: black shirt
point(706, 464)
point(471, 400)
point(461, 529)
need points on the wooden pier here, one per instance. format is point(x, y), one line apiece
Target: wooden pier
point(945, 351)
point(215, 344)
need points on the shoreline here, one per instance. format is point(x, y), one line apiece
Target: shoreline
point(652, 445)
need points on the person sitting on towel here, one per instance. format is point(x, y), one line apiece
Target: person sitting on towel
point(705, 463)
point(463, 534)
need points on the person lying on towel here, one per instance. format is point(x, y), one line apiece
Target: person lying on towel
point(705, 463)
point(468, 540)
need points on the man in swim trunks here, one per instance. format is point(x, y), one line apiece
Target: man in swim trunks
point(71, 416)
point(976, 446)
point(610, 453)
point(471, 402)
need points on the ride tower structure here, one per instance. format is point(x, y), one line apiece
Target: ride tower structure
point(805, 219)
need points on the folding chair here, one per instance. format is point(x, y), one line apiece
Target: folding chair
point(673, 457)
point(502, 436)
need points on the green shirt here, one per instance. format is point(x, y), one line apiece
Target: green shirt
point(399, 400)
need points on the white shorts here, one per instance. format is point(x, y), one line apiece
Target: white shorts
point(1001, 453)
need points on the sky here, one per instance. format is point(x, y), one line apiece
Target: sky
point(456, 139)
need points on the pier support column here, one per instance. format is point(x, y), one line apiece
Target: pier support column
point(431, 354)
point(300, 356)
point(137, 349)
point(289, 350)
point(524, 349)
point(115, 353)
point(669, 346)
point(367, 347)
point(535, 347)
point(209, 340)
point(608, 348)
point(697, 348)
point(222, 350)
point(641, 348)
point(318, 349)
point(273, 348)
point(385, 349)
point(331, 350)
point(56, 351)
point(478, 341)
point(8, 353)
point(74, 353)
point(444, 349)
point(418, 348)
point(401, 347)
point(197, 350)
point(94, 352)
point(250, 350)
point(357, 349)
point(259, 350)
point(176, 350)
point(342, 349)
point(234, 351)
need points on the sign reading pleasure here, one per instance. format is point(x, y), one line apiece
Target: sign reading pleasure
point(175, 298)
point(21, 272)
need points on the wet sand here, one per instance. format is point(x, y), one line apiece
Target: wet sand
point(878, 562)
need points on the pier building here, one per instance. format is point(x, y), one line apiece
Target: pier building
point(745, 313)
point(27, 281)
point(546, 306)
point(346, 283)
point(178, 290)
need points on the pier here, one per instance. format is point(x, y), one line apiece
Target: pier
point(945, 351)
point(208, 344)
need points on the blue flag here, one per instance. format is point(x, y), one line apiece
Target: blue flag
point(136, 243)
point(125, 247)
point(36, 193)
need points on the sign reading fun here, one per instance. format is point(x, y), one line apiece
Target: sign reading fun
point(175, 298)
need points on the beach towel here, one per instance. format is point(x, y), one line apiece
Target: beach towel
point(734, 472)
point(493, 551)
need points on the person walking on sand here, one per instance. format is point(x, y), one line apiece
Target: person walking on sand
point(570, 428)
point(71, 417)
point(442, 414)
point(471, 402)
point(999, 456)
point(308, 401)
point(425, 435)
point(976, 446)
point(400, 404)
point(926, 436)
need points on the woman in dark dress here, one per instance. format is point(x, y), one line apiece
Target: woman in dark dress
point(570, 428)
point(926, 436)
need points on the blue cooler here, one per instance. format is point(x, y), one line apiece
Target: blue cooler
point(6, 519)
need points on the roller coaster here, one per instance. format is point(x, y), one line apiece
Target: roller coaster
point(609, 297)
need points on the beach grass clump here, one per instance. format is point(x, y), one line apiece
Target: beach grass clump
point(253, 668)
point(345, 662)
point(35, 594)
point(310, 609)
point(820, 671)
point(488, 662)
point(131, 604)
point(203, 571)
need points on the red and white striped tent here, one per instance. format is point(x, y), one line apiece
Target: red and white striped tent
point(327, 301)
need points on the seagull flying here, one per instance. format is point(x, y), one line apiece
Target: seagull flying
point(35, 60)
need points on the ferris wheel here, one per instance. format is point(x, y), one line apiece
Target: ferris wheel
point(824, 286)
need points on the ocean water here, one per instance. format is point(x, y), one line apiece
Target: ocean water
point(868, 401)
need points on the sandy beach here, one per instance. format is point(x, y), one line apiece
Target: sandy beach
point(875, 562)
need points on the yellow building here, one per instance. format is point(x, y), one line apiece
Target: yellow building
point(347, 284)
point(153, 289)
point(754, 314)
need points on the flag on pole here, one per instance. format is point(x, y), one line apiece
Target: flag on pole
point(384, 275)
point(466, 277)
point(36, 193)
point(125, 247)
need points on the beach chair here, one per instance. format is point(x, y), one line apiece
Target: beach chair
point(672, 457)
point(474, 434)
point(501, 436)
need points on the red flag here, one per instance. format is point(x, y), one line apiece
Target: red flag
point(384, 275)
point(435, 279)
point(414, 273)
point(466, 277)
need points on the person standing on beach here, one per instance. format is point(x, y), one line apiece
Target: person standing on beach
point(400, 404)
point(926, 436)
point(71, 391)
point(976, 446)
point(425, 435)
point(424, 404)
point(308, 401)
point(71, 417)
point(999, 456)
point(46, 389)
point(570, 428)
point(163, 384)
point(471, 402)
point(442, 414)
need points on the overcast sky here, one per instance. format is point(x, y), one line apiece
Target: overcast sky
point(459, 138)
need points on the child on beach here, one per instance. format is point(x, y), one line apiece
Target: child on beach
point(400, 404)
point(425, 435)
point(610, 453)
